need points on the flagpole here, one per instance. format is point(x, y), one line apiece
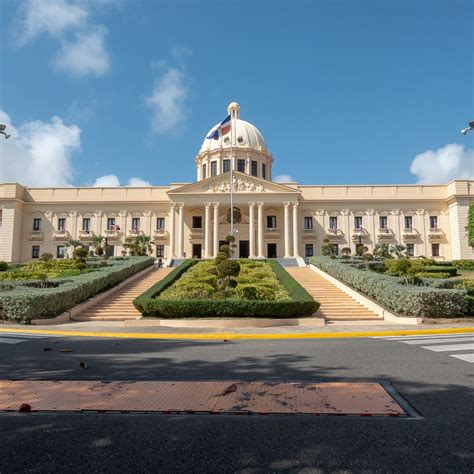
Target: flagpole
point(231, 175)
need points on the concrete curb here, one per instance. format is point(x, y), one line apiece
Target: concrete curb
point(379, 310)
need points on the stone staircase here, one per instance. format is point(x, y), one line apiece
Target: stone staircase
point(335, 304)
point(118, 306)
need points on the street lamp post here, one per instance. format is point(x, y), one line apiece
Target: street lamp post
point(468, 128)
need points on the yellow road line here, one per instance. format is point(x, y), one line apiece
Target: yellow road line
point(235, 335)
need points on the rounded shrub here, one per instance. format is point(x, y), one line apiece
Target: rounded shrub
point(3, 266)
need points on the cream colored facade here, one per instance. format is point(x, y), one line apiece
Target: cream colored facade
point(272, 219)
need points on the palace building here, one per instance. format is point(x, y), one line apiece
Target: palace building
point(270, 219)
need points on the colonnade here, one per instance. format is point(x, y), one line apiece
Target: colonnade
point(291, 235)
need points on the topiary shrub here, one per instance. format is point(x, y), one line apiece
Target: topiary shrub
point(3, 266)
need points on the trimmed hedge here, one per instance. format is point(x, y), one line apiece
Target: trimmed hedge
point(397, 296)
point(301, 303)
point(452, 271)
point(464, 264)
point(22, 303)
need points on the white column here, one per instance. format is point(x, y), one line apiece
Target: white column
point(207, 230)
point(216, 229)
point(171, 230)
point(296, 239)
point(260, 230)
point(251, 230)
point(287, 231)
point(180, 230)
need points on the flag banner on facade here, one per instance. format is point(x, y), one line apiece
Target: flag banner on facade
point(222, 129)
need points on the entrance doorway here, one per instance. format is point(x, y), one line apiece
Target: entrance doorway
point(197, 250)
point(272, 250)
point(244, 249)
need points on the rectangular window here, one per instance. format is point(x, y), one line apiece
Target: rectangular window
point(204, 170)
point(271, 222)
point(333, 223)
point(383, 222)
point(264, 171)
point(241, 166)
point(160, 250)
point(308, 250)
point(160, 223)
point(61, 223)
point(226, 166)
point(434, 249)
point(60, 251)
point(254, 171)
point(308, 222)
point(334, 249)
point(433, 222)
point(110, 250)
point(408, 222)
point(86, 224)
point(358, 222)
point(197, 222)
point(213, 168)
point(37, 223)
point(410, 250)
point(111, 223)
point(35, 251)
point(136, 223)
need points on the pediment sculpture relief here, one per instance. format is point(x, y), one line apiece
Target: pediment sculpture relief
point(240, 185)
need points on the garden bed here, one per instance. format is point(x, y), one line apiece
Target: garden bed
point(264, 290)
point(22, 300)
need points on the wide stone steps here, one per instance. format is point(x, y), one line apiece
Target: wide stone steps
point(118, 306)
point(335, 304)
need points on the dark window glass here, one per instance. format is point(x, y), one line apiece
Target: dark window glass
point(110, 250)
point(433, 222)
point(271, 222)
point(160, 223)
point(254, 168)
point(135, 223)
point(308, 222)
point(226, 166)
point(110, 223)
point(333, 223)
point(197, 222)
point(213, 168)
point(241, 166)
point(308, 250)
point(411, 250)
point(35, 251)
point(86, 224)
point(358, 222)
point(383, 221)
point(61, 223)
point(434, 249)
point(264, 171)
point(408, 222)
point(160, 250)
point(60, 251)
point(37, 223)
point(204, 170)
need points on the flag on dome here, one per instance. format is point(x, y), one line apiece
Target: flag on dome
point(222, 129)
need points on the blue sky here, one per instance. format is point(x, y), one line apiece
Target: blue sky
point(343, 91)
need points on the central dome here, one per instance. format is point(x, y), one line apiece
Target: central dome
point(245, 134)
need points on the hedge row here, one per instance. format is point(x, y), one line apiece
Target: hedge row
point(394, 294)
point(301, 303)
point(464, 264)
point(22, 303)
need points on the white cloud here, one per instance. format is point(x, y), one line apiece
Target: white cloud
point(82, 43)
point(112, 181)
point(85, 55)
point(167, 101)
point(283, 178)
point(38, 153)
point(444, 164)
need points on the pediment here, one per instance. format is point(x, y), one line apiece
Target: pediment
point(243, 184)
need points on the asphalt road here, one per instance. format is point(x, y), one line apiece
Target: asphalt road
point(439, 386)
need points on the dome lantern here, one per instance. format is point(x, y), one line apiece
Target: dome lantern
point(234, 110)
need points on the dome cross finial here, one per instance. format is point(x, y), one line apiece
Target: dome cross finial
point(234, 110)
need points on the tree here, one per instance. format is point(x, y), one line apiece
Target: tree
point(346, 252)
point(97, 242)
point(382, 250)
point(470, 226)
point(74, 243)
point(81, 253)
point(368, 257)
point(138, 246)
point(398, 250)
point(361, 249)
point(327, 250)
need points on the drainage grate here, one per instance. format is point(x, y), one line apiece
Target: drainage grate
point(335, 398)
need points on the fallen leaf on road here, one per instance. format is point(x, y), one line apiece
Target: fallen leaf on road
point(231, 388)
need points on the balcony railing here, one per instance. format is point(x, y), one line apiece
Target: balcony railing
point(334, 234)
point(384, 233)
point(36, 235)
point(196, 234)
point(111, 234)
point(309, 234)
point(409, 234)
point(272, 233)
point(85, 235)
point(435, 233)
point(60, 235)
point(160, 234)
point(359, 233)
point(134, 232)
